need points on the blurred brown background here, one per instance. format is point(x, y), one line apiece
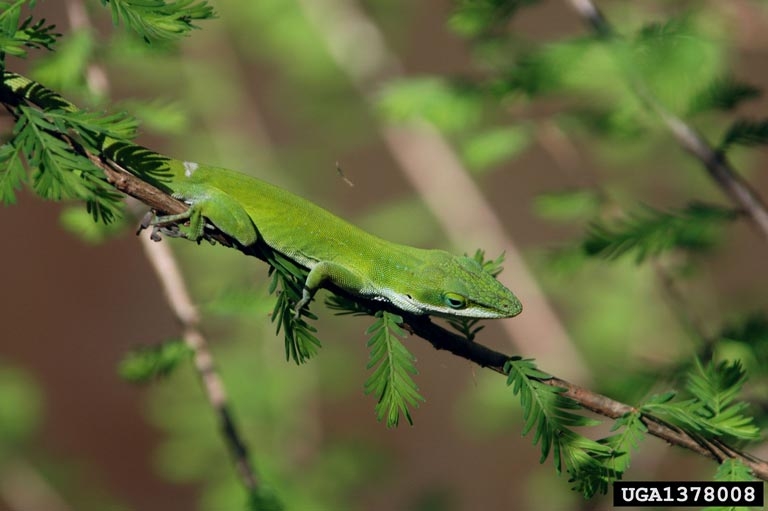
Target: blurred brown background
point(71, 310)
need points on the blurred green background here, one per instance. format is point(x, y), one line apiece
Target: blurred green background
point(534, 110)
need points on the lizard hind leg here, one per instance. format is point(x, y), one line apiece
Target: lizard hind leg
point(192, 216)
point(218, 208)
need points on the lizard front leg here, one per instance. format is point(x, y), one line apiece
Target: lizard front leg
point(336, 274)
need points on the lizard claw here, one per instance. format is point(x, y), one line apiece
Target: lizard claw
point(146, 221)
point(305, 298)
point(155, 236)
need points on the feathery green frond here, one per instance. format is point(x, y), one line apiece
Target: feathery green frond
point(94, 126)
point(58, 170)
point(12, 173)
point(50, 137)
point(17, 36)
point(151, 362)
point(632, 432)
point(490, 266)
point(392, 365)
point(724, 93)
point(159, 20)
point(301, 344)
point(551, 415)
point(733, 469)
point(745, 132)
point(649, 232)
point(715, 387)
point(713, 410)
point(467, 327)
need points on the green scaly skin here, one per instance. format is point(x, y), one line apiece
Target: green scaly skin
point(334, 251)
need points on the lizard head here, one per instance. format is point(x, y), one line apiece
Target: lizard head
point(458, 286)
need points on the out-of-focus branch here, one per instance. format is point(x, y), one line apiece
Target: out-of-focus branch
point(22, 488)
point(167, 270)
point(434, 169)
point(715, 163)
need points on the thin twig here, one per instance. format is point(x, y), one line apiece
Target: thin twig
point(168, 273)
point(23, 488)
point(167, 270)
point(717, 166)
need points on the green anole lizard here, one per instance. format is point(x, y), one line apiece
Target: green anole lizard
point(415, 280)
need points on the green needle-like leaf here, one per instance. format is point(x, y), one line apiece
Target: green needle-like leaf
point(550, 414)
point(16, 36)
point(301, 344)
point(745, 133)
point(159, 20)
point(153, 362)
point(632, 431)
point(722, 94)
point(733, 469)
point(58, 170)
point(713, 410)
point(12, 173)
point(392, 366)
point(649, 232)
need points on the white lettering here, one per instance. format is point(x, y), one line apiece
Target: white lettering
point(655, 495)
point(628, 494)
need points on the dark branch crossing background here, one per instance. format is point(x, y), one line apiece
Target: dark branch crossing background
point(620, 147)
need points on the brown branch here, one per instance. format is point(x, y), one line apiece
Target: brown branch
point(442, 339)
point(715, 163)
point(164, 264)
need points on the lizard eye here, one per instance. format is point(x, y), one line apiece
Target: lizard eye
point(455, 301)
